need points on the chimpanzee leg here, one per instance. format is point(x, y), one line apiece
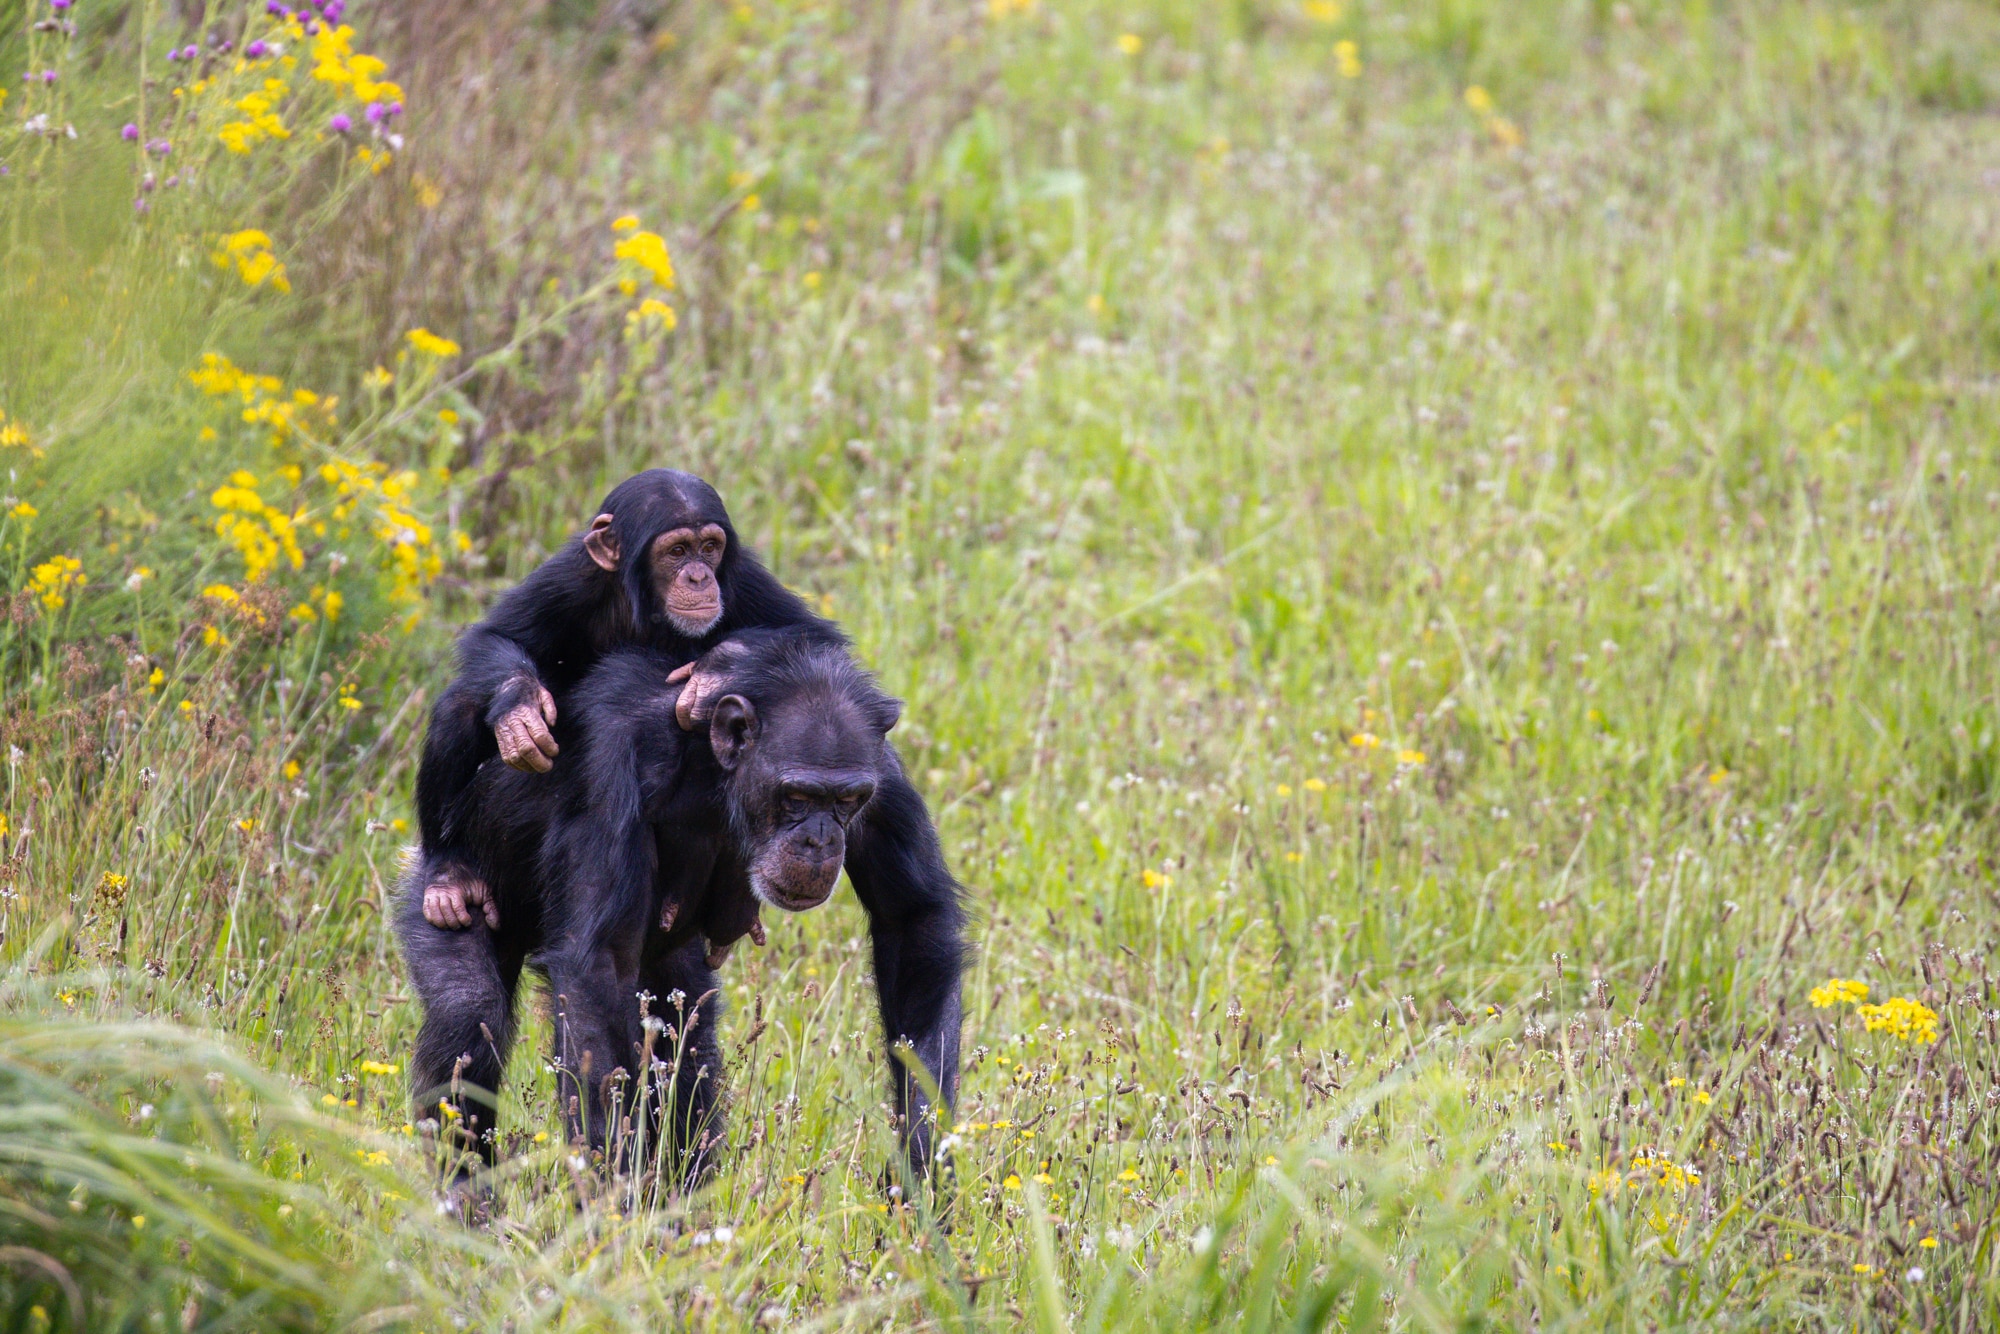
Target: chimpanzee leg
point(597, 1021)
point(687, 1065)
point(916, 924)
point(466, 980)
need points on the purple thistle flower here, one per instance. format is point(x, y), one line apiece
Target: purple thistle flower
point(256, 50)
point(375, 113)
point(226, 46)
point(173, 53)
point(276, 10)
point(333, 9)
point(159, 148)
point(395, 108)
point(129, 133)
point(59, 5)
point(48, 76)
point(341, 122)
point(192, 52)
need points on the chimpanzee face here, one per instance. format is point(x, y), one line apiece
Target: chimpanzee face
point(797, 780)
point(684, 563)
point(681, 567)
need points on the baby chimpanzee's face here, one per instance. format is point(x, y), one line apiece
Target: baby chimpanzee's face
point(684, 562)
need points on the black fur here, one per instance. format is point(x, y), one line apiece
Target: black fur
point(638, 814)
point(555, 625)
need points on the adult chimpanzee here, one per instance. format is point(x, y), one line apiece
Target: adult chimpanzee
point(632, 867)
point(660, 567)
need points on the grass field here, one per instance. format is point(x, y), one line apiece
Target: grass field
point(1443, 558)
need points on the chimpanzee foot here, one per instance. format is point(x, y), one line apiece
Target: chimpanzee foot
point(717, 955)
point(451, 897)
point(668, 914)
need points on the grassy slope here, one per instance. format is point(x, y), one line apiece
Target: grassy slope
point(1161, 423)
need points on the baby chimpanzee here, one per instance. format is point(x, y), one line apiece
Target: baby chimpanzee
point(660, 567)
point(624, 875)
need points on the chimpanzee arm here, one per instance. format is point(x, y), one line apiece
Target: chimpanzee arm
point(916, 922)
point(540, 625)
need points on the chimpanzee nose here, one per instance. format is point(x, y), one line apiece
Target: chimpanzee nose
point(822, 834)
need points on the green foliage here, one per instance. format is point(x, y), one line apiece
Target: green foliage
point(1443, 586)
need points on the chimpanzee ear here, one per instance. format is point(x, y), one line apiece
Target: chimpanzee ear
point(601, 543)
point(890, 713)
point(732, 729)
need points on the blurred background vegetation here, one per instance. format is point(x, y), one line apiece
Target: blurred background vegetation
point(1441, 555)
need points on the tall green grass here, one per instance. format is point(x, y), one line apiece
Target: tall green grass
point(1430, 623)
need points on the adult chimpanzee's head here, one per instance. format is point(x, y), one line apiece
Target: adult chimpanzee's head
point(801, 736)
point(669, 535)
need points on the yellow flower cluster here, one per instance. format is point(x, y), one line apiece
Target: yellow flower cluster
point(1900, 1017)
point(260, 532)
point(432, 345)
point(1000, 9)
point(1347, 58)
point(249, 252)
point(265, 403)
point(14, 435)
point(410, 548)
point(336, 62)
point(260, 122)
point(651, 316)
point(1645, 1170)
point(1838, 991)
point(648, 252)
point(52, 580)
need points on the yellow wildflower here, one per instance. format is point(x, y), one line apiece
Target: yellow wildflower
point(1314, 785)
point(1838, 991)
point(1410, 757)
point(52, 580)
point(1347, 59)
point(1478, 100)
point(1012, 1182)
point(1284, 789)
point(249, 252)
point(378, 1068)
point(652, 312)
point(1904, 1019)
point(431, 345)
point(1322, 11)
point(1152, 879)
point(1130, 42)
point(22, 510)
point(648, 250)
point(625, 222)
point(14, 435)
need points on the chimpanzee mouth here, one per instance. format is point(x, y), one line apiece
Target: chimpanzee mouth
point(787, 898)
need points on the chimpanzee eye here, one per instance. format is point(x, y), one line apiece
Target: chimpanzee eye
point(678, 551)
point(796, 804)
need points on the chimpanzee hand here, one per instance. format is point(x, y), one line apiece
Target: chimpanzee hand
point(448, 904)
point(523, 733)
point(703, 681)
